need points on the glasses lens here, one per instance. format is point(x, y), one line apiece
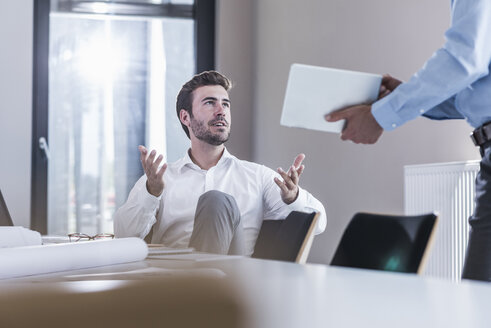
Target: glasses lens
point(104, 236)
point(78, 237)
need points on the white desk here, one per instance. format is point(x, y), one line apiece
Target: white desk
point(281, 294)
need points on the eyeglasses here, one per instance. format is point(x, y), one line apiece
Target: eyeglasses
point(77, 236)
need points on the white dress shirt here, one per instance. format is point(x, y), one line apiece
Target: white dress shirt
point(172, 213)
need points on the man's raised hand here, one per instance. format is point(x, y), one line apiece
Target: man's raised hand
point(289, 185)
point(155, 175)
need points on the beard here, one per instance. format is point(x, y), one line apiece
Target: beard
point(202, 133)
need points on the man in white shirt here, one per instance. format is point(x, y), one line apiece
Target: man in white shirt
point(209, 199)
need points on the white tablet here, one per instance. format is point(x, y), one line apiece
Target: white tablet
point(313, 91)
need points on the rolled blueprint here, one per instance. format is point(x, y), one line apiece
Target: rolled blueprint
point(32, 260)
point(18, 236)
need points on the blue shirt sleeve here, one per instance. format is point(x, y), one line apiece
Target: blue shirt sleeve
point(444, 111)
point(463, 59)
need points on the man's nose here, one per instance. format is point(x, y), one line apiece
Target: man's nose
point(219, 109)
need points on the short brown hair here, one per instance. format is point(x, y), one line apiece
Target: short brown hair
point(185, 96)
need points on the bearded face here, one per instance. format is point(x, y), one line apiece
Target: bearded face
point(214, 132)
point(209, 119)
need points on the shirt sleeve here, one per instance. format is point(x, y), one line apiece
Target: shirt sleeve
point(276, 209)
point(444, 111)
point(137, 216)
point(463, 59)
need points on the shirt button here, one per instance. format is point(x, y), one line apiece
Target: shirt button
point(421, 111)
point(394, 125)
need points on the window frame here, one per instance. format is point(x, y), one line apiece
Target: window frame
point(202, 12)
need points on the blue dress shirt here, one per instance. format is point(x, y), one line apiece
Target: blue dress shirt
point(455, 82)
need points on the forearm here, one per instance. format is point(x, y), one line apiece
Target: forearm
point(137, 216)
point(463, 60)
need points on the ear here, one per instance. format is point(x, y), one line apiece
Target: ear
point(184, 117)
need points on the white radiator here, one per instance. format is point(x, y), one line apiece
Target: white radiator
point(446, 188)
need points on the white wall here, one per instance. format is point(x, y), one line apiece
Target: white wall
point(15, 107)
point(377, 36)
point(234, 49)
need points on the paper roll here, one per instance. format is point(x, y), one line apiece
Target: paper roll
point(18, 236)
point(32, 260)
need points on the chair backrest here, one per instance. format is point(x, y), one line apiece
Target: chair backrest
point(5, 219)
point(287, 240)
point(386, 242)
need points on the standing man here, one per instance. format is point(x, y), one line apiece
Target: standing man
point(209, 199)
point(453, 84)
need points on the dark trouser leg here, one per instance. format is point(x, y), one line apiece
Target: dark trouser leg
point(478, 258)
point(217, 225)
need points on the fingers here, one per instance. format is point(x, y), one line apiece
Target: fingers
point(149, 161)
point(386, 78)
point(143, 156)
point(289, 185)
point(155, 166)
point(300, 170)
point(360, 137)
point(294, 175)
point(150, 164)
point(161, 171)
point(298, 160)
point(336, 115)
point(287, 180)
point(350, 133)
point(390, 82)
point(384, 93)
point(282, 185)
point(341, 114)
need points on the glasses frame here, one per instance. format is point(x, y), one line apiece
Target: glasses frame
point(77, 236)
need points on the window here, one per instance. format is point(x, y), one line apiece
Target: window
point(113, 71)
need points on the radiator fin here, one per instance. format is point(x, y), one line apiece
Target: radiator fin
point(448, 189)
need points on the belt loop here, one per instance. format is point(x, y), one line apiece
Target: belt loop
point(482, 134)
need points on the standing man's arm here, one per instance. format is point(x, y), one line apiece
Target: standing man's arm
point(462, 60)
point(137, 216)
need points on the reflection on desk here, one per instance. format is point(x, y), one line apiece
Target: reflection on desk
point(159, 249)
point(147, 273)
point(160, 302)
point(280, 294)
point(197, 257)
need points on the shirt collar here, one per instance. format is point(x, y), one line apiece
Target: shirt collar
point(186, 160)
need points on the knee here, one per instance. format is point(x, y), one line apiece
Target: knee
point(214, 195)
point(215, 201)
point(217, 198)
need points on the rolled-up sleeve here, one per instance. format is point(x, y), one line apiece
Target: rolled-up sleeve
point(137, 215)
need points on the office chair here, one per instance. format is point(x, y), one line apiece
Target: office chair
point(287, 240)
point(386, 242)
point(5, 219)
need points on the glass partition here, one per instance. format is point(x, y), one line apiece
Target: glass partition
point(112, 86)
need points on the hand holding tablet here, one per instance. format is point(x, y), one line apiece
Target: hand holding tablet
point(312, 92)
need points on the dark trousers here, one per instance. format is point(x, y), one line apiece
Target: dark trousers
point(217, 225)
point(477, 264)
